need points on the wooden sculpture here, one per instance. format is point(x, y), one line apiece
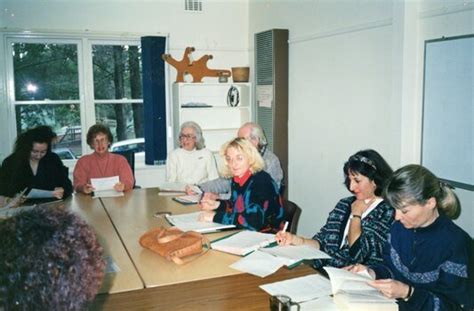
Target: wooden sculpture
point(198, 68)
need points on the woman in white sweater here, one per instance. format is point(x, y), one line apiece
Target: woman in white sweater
point(192, 163)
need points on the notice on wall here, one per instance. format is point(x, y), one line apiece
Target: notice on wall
point(264, 95)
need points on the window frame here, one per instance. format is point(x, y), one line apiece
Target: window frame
point(86, 98)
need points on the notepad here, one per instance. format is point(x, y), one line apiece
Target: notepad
point(301, 288)
point(243, 243)
point(293, 254)
point(190, 222)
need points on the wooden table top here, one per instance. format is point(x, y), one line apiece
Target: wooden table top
point(133, 215)
point(92, 211)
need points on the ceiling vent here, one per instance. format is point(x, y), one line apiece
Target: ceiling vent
point(193, 5)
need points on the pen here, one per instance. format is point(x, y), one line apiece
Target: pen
point(285, 226)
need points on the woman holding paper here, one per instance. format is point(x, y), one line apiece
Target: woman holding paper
point(357, 227)
point(101, 163)
point(426, 262)
point(33, 165)
point(255, 203)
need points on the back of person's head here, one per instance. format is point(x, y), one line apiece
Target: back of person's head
point(415, 184)
point(370, 164)
point(42, 134)
point(256, 133)
point(96, 129)
point(254, 158)
point(200, 142)
point(51, 260)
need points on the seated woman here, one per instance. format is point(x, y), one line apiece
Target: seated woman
point(426, 260)
point(357, 227)
point(101, 163)
point(192, 163)
point(51, 260)
point(255, 203)
point(33, 165)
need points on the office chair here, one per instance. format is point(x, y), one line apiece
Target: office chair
point(293, 213)
point(130, 156)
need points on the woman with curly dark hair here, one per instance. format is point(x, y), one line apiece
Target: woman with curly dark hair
point(33, 165)
point(51, 260)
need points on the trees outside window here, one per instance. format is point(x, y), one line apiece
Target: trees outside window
point(51, 86)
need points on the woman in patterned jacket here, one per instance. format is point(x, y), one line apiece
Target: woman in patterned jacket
point(427, 262)
point(357, 227)
point(255, 203)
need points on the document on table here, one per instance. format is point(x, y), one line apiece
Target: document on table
point(190, 222)
point(243, 242)
point(295, 253)
point(169, 188)
point(300, 289)
point(188, 199)
point(104, 187)
point(355, 285)
point(39, 194)
point(258, 263)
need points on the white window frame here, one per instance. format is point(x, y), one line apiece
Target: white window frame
point(86, 99)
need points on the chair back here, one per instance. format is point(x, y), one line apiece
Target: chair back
point(293, 213)
point(130, 156)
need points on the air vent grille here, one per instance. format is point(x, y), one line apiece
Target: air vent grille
point(193, 5)
point(264, 58)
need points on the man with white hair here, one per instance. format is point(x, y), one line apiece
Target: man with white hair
point(253, 133)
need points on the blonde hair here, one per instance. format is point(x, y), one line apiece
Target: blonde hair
point(415, 184)
point(256, 162)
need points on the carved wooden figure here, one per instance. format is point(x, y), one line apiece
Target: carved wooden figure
point(198, 68)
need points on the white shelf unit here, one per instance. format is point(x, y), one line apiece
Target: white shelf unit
point(219, 122)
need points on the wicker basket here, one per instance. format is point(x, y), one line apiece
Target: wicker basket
point(240, 74)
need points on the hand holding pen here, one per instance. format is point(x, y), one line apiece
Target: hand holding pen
point(283, 237)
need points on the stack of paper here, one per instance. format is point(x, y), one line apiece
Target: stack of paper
point(171, 188)
point(300, 289)
point(190, 222)
point(243, 242)
point(293, 254)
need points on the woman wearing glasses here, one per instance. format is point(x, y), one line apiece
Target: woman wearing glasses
point(192, 163)
point(33, 165)
point(357, 227)
point(101, 163)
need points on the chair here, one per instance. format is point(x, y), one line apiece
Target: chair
point(130, 156)
point(293, 213)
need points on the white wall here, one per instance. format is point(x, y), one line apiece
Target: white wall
point(355, 82)
point(221, 29)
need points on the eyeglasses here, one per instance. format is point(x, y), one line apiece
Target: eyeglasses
point(188, 136)
point(102, 141)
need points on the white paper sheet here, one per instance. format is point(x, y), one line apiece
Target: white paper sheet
point(297, 253)
point(172, 187)
point(258, 263)
point(300, 289)
point(243, 242)
point(343, 280)
point(190, 222)
point(104, 187)
point(39, 194)
point(320, 304)
point(106, 183)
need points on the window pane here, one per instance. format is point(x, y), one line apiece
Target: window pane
point(64, 119)
point(124, 120)
point(45, 71)
point(117, 71)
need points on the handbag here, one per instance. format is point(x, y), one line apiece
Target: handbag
point(174, 244)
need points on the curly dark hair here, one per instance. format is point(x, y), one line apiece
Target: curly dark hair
point(370, 164)
point(42, 134)
point(51, 260)
point(96, 129)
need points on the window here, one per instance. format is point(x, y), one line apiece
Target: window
point(72, 83)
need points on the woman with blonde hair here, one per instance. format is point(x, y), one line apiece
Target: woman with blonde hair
point(255, 203)
point(427, 257)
